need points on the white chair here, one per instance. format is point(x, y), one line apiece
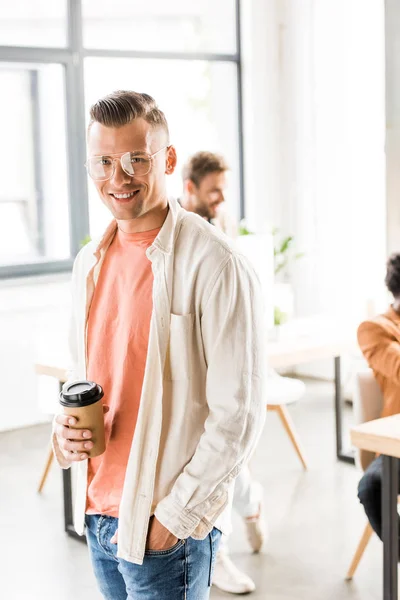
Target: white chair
point(282, 391)
point(367, 406)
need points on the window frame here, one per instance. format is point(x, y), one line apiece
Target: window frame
point(71, 58)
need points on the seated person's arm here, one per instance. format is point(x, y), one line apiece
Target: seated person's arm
point(380, 349)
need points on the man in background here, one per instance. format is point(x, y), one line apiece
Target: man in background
point(379, 340)
point(204, 185)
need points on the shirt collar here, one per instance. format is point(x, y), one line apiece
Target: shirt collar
point(164, 240)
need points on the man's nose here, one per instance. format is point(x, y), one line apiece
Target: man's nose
point(120, 177)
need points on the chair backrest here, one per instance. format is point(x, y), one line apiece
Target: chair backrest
point(367, 406)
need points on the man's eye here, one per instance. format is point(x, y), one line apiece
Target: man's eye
point(104, 161)
point(136, 160)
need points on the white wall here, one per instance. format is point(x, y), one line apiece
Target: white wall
point(315, 110)
point(261, 101)
point(314, 74)
point(32, 326)
point(392, 8)
point(332, 177)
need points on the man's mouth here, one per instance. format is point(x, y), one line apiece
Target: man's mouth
point(125, 196)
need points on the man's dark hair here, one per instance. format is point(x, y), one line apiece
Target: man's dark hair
point(392, 278)
point(122, 107)
point(201, 164)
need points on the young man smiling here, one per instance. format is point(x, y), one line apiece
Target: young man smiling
point(167, 317)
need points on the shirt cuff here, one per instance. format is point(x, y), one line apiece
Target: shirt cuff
point(176, 519)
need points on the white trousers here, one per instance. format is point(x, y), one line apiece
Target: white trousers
point(246, 499)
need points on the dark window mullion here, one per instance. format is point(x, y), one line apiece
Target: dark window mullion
point(76, 142)
point(159, 55)
point(40, 241)
point(29, 54)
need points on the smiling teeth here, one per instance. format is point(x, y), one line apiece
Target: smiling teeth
point(124, 195)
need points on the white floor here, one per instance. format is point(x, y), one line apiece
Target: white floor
point(314, 517)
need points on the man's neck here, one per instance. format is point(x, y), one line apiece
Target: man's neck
point(149, 221)
point(396, 305)
point(191, 206)
point(188, 204)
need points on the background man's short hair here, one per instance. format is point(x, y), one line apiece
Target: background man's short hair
point(122, 107)
point(201, 164)
point(392, 278)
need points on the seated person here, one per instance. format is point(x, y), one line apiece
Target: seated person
point(379, 340)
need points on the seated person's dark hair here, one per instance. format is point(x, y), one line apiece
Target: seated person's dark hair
point(392, 278)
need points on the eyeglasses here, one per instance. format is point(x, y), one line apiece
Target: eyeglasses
point(101, 168)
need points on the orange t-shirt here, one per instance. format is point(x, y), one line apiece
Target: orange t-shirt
point(118, 333)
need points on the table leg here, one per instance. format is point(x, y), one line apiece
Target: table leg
point(67, 498)
point(68, 515)
point(345, 456)
point(390, 527)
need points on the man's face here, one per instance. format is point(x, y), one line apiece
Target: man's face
point(209, 195)
point(146, 193)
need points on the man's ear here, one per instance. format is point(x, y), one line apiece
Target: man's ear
point(189, 187)
point(171, 160)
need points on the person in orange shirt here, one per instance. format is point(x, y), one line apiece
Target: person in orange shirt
point(379, 340)
point(204, 190)
point(167, 318)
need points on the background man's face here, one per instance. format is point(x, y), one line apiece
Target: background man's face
point(209, 195)
point(146, 193)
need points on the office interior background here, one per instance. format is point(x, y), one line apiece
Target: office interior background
point(302, 99)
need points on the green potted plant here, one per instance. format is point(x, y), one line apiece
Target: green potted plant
point(284, 257)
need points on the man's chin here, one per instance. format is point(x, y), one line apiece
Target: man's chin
point(125, 213)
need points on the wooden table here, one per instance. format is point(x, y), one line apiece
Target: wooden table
point(296, 350)
point(383, 436)
point(288, 351)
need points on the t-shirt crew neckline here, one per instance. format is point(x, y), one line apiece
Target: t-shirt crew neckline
point(141, 236)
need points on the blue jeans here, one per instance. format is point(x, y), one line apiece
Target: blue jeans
point(182, 572)
point(370, 495)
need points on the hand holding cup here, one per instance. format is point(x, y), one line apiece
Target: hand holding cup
point(80, 430)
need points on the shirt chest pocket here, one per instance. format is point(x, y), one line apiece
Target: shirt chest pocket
point(178, 363)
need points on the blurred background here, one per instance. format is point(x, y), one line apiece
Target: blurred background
point(291, 93)
point(302, 98)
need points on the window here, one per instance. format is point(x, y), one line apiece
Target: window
point(160, 26)
point(56, 59)
point(33, 23)
point(33, 191)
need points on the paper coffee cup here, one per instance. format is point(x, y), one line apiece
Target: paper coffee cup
point(82, 400)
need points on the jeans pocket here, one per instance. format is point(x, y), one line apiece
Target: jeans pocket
point(215, 537)
point(166, 552)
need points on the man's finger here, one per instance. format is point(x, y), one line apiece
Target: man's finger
point(76, 447)
point(66, 420)
point(72, 434)
point(75, 457)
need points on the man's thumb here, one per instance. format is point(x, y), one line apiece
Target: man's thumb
point(114, 539)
